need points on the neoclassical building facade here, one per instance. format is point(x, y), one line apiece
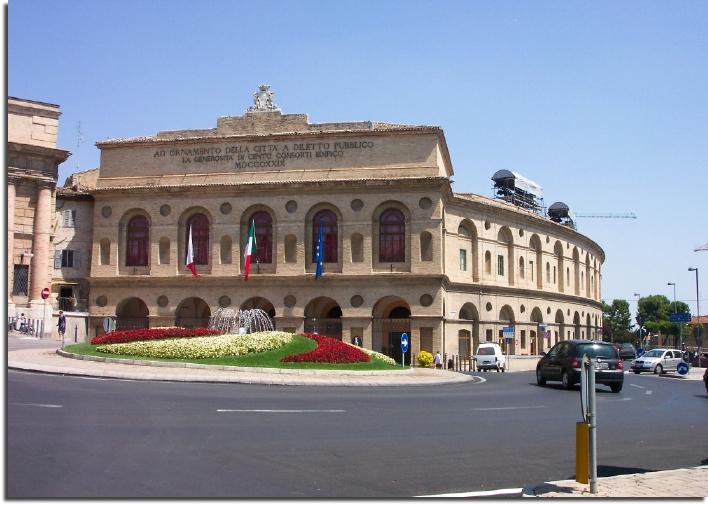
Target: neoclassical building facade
point(402, 251)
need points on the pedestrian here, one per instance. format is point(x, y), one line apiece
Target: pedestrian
point(61, 323)
point(21, 322)
point(438, 360)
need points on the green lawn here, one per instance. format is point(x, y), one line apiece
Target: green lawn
point(270, 359)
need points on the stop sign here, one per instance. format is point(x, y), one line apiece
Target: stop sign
point(45, 293)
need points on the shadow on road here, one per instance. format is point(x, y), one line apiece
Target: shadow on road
point(611, 471)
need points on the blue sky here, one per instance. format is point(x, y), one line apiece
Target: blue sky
point(603, 103)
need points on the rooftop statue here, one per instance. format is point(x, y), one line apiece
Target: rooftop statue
point(263, 100)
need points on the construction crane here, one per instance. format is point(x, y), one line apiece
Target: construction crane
point(703, 247)
point(627, 215)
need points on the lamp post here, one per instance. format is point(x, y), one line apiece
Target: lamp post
point(639, 322)
point(679, 324)
point(698, 317)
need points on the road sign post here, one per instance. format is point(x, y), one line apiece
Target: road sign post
point(508, 332)
point(404, 348)
point(45, 296)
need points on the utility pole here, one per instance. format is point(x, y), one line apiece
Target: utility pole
point(699, 336)
point(674, 285)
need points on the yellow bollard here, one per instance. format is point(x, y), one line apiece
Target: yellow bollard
point(582, 452)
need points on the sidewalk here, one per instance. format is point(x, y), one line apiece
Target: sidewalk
point(681, 483)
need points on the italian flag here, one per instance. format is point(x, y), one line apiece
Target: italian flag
point(190, 255)
point(249, 251)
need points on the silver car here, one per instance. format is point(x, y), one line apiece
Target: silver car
point(657, 361)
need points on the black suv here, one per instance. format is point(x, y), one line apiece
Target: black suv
point(562, 363)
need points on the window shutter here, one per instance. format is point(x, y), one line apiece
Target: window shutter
point(57, 259)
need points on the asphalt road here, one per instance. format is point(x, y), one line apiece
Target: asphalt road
point(82, 437)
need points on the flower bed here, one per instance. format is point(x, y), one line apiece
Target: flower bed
point(202, 347)
point(329, 350)
point(116, 337)
point(381, 356)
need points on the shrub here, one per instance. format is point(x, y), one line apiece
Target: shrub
point(202, 347)
point(116, 337)
point(425, 358)
point(329, 350)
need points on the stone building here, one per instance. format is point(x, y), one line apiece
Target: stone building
point(32, 168)
point(402, 251)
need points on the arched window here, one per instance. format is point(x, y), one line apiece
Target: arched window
point(137, 242)
point(264, 236)
point(330, 236)
point(199, 224)
point(392, 236)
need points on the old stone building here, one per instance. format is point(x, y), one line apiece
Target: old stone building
point(402, 251)
point(33, 160)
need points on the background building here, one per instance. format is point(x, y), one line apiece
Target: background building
point(402, 251)
point(32, 168)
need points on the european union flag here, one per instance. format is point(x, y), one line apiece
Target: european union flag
point(319, 252)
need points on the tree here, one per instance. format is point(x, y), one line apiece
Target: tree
point(655, 310)
point(617, 321)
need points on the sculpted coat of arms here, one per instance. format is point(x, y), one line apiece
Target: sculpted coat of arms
point(263, 100)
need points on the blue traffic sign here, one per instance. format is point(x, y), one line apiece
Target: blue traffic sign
point(404, 342)
point(680, 317)
point(682, 368)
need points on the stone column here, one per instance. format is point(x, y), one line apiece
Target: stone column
point(39, 269)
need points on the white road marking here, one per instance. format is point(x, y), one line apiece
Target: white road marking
point(494, 492)
point(511, 408)
point(482, 379)
point(44, 405)
point(648, 392)
point(635, 386)
point(286, 411)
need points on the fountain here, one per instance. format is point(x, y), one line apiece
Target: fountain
point(240, 321)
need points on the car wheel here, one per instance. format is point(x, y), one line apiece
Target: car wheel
point(539, 378)
point(659, 370)
point(637, 372)
point(616, 388)
point(565, 379)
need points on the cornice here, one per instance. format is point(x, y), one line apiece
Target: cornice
point(274, 185)
point(49, 152)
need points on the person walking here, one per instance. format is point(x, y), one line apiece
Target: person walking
point(61, 324)
point(438, 360)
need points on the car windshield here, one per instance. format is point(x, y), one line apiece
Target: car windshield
point(656, 353)
point(485, 351)
point(597, 351)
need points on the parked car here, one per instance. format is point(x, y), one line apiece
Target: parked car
point(703, 361)
point(657, 361)
point(628, 351)
point(563, 362)
point(489, 356)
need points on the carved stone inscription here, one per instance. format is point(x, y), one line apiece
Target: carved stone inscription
point(241, 156)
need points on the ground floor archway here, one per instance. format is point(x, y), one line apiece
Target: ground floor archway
point(192, 313)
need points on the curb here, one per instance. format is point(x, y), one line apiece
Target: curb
point(199, 373)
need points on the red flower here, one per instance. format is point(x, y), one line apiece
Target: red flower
point(329, 350)
point(118, 337)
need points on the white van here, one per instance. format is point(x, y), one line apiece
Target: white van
point(489, 356)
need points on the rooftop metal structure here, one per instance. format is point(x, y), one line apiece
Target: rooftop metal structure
point(517, 190)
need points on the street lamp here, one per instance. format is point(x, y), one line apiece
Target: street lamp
point(680, 325)
point(698, 316)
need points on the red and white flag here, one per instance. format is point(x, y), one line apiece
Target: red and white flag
point(190, 255)
point(249, 251)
